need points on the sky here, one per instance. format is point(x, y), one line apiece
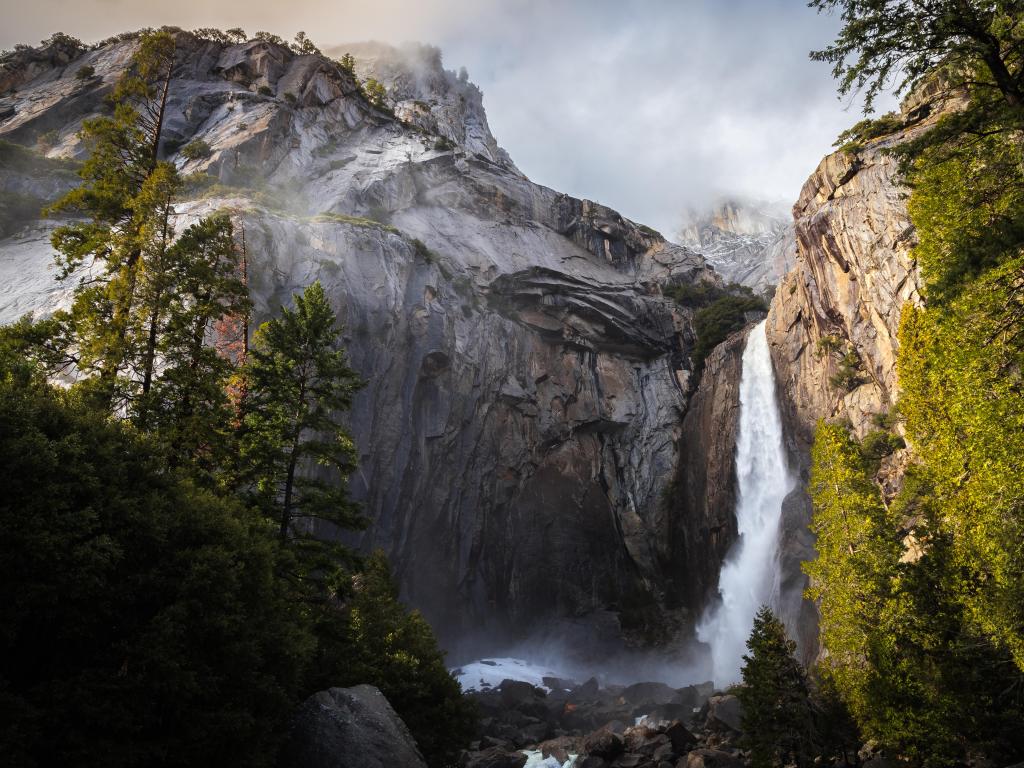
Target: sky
point(651, 107)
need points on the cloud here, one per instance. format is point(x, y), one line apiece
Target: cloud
point(649, 106)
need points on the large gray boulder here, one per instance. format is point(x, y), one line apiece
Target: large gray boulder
point(349, 728)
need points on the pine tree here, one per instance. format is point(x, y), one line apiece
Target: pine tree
point(777, 719)
point(119, 203)
point(190, 406)
point(294, 447)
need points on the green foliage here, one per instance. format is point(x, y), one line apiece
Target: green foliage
point(880, 443)
point(853, 139)
point(298, 381)
point(443, 144)
point(85, 72)
point(848, 375)
point(304, 46)
point(15, 157)
point(423, 251)
point(889, 43)
point(139, 612)
point(265, 90)
point(396, 650)
point(968, 208)
point(267, 37)
point(291, 98)
point(777, 715)
point(196, 149)
point(236, 35)
point(375, 93)
point(348, 63)
point(902, 654)
point(720, 312)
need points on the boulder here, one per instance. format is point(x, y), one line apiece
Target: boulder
point(725, 713)
point(349, 728)
point(603, 743)
point(711, 758)
point(649, 693)
point(682, 740)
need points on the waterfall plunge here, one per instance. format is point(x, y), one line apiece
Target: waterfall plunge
point(750, 573)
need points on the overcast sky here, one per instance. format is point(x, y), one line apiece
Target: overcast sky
point(649, 106)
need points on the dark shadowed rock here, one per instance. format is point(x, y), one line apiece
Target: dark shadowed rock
point(603, 743)
point(649, 693)
point(682, 740)
point(349, 728)
point(725, 713)
point(710, 758)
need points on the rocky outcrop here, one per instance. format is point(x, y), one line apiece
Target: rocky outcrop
point(753, 244)
point(703, 501)
point(525, 377)
point(833, 322)
point(349, 728)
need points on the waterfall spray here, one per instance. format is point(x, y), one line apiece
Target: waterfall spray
point(750, 573)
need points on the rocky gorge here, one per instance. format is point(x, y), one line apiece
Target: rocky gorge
point(537, 454)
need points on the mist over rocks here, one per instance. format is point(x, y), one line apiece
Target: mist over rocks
point(526, 377)
point(747, 242)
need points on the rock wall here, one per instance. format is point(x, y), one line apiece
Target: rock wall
point(525, 377)
point(704, 500)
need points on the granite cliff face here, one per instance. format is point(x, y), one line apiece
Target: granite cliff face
point(833, 322)
point(525, 377)
point(753, 244)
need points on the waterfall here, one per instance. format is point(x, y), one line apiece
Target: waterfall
point(750, 573)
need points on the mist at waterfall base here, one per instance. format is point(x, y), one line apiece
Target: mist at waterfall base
point(750, 574)
point(749, 577)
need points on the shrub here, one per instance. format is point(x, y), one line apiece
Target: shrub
point(85, 72)
point(267, 37)
point(848, 376)
point(291, 98)
point(265, 90)
point(878, 443)
point(196, 150)
point(47, 140)
point(443, 144)
point(423, 251)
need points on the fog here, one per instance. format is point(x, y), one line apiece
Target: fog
point(649, 106)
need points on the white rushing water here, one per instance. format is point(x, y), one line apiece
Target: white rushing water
point(750, 574)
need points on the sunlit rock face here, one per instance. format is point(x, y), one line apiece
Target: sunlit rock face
point(753, 244)
point(525, 377)
point(854, 273)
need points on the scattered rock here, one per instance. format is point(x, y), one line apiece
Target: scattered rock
point(603, 743)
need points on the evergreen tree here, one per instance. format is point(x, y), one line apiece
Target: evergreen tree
point(396, 650)
point(294, 446)
point(777, 718)
point(142, 614)
point(890, 42)
point(190, 407)
point(119, 203)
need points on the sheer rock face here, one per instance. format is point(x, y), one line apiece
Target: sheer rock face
point(704, 519)
point(525, 377)
point(853, 274)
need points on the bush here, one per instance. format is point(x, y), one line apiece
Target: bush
point(163, 636)
point(395, 650)
point(196, 150)
point(443, 144)
point(291, 98)
point(716, 322)
point(85, 72)
point(878, 443)
point(848, 376)
point(265, 90)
